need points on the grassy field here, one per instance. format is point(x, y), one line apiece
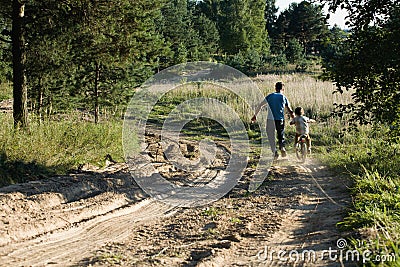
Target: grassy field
point(57, 145)
point(315, 96)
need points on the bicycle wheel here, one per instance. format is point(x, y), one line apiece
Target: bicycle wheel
point(298, 151)
point(303, 151)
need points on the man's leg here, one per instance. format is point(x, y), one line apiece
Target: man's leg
point(280, 129)
point(271, 135)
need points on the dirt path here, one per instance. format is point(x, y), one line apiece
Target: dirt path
point(295, 212)
point(103, 218)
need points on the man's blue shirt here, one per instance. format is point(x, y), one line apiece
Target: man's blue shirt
point(277, 102)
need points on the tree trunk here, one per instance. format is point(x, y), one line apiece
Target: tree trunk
point(20, 91)
point(49, 105)
point(96, 94)
point(39, 107)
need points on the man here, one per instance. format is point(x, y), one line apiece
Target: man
point(277, 102)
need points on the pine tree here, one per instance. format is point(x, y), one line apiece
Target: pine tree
point(114, 38)
point(191, 35)
point(270, 15)
point(303, 21)
point(241, 24)
point(294, 51)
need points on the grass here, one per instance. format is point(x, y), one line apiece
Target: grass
point(314, 95)
point(371, 158)
point(55, 147)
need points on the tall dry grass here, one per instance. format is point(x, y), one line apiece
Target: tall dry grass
point(303, 90)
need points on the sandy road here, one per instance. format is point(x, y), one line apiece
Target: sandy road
point(62, 220)
point(294, 212)
point(69, 246)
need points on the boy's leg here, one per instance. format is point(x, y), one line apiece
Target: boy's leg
point(296, 139)
point(308, 139)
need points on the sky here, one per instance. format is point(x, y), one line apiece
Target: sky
point(337, 18)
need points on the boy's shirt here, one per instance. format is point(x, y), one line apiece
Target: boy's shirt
point(301, 123)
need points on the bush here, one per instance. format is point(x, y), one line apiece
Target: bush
point(279, 61)
point(294, 51)
point(247, 62)
point(303, 64)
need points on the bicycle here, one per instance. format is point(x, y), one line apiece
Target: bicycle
point(301, 148)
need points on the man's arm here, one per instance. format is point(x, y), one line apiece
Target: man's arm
point(259, 107)
point(290, 111)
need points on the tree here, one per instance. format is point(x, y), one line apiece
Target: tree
point(30, 23)
point(49, 28)
point(332, 47)
point(294, 51)
point(241, 24)
point(305, 22)
point(92, 50)
point(207, 32)
point(191, 35)
point(256, 27)
point(5, 66)
point(112, 36)
point(20, 89)
point(5, 50)
point(369, 62)
point(14, 13)
point(270, 15)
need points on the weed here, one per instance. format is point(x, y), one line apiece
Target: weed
point(211, 212)
point(111, 258)
point(235, 220)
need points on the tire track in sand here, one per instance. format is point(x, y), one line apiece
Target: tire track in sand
point(64, 248)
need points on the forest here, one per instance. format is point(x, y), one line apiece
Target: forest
point(81, 55)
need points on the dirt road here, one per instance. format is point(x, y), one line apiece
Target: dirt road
point(102, 218)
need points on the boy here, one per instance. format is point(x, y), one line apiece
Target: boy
point(301, 123)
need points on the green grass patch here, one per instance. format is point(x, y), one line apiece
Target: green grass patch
point(372, 160)
point(55, 147)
